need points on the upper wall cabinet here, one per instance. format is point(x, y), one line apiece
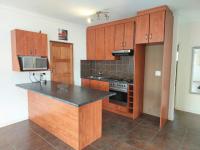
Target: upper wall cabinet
point(29, 43)
point(100, 48)
point(91, 41)
point(26, 43)
point(109, 42)
point(124, 35)
point(150, 27)
point(105, 38)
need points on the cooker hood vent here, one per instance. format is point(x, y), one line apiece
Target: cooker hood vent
point(128, 52)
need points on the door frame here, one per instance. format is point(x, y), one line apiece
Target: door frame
point(50, 65)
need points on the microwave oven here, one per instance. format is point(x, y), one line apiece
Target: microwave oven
point(33, 63)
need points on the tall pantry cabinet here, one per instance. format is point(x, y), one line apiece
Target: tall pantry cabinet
point(153, 27)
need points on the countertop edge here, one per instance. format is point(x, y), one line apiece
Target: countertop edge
point(62, 100)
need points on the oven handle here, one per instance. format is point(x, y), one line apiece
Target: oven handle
point(113, 89)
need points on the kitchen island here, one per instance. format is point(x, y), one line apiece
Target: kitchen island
point(71, 113)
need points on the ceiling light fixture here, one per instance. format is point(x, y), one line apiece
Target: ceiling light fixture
point(99, 16)
point(89, 20)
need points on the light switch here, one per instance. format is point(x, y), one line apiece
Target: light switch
point(157, 73)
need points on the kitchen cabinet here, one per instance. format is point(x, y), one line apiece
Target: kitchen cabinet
point(109, 42)
point(91, 42)
point(124, 35)
point(95, 84)
point(142, 29)
point(119, 36)
point(40, 45)
point(129, 35)
point(107, 105)
point(99, 85)
point(157, 27)
point(85, 83)
point(100, 49)
point(29, 43)
point(150, 28)
point(103, 39)
point(154, 27)
point(26, 43)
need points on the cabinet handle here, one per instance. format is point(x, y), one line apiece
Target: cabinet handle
point(124, 44)
point(146, 36)
point(150, 36)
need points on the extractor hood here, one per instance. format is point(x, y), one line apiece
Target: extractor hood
point(127, 52)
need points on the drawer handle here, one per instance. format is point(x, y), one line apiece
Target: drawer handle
point(150, 36)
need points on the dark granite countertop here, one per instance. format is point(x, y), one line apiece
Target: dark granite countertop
point(104, 79)
point(70, 94)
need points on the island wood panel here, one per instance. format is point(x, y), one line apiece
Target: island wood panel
point(157, 27)
point(76, 126)
point(166, 68)
point(90, 123)
point(62, 120)
point(139, 55)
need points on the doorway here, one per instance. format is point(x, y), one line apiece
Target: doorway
point(61, 55)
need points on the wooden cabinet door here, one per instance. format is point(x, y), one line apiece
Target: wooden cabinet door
point(99, 85)
point(24, 43)
point(85, 83)
point(142, 29)
point(119, 36)
point(157, 27)
point(100, 48)
point(94, 84)
point(41, 45)
point(109, 42)
point(20, 42)
point(91, 48)
point(129, 35)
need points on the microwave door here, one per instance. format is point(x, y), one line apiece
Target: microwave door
point(41, 63)
point(27, 63)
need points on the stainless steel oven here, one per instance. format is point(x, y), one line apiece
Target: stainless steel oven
point(121, 90)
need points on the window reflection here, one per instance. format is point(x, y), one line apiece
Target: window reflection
point(195, 83)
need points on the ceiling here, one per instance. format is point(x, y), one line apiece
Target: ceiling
point(78, 10)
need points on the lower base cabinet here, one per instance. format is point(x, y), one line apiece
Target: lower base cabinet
point(107, 105)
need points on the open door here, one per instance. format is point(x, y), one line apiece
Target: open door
point(61, 62)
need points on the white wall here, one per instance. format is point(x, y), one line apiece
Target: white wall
point(188, 36)
point(13, 100)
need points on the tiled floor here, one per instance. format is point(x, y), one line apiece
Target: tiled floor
point(119, 133)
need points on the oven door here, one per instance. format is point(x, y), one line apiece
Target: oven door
point(120, 97)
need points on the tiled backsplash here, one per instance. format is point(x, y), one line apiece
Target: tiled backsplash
point(122, 68)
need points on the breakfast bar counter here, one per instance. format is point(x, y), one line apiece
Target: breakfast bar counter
point(71, 113)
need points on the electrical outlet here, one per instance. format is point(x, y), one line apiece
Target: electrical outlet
point(157, 73)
